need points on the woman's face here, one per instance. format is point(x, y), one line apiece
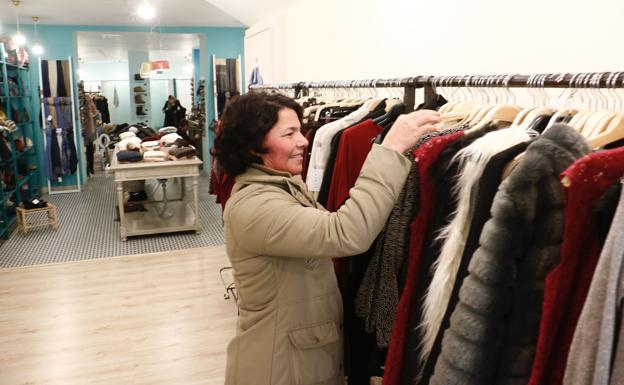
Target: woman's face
point(285, 144)
point(171, 101)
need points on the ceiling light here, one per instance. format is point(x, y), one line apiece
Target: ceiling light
point(19, 39)
point(37, 49)
point(146, 11)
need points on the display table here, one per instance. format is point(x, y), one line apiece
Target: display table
point(185, 216)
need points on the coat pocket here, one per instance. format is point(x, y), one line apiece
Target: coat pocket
point(316, 354)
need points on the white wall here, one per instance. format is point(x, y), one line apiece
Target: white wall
point(359, 39)
point(120, 114)
point(93, 71)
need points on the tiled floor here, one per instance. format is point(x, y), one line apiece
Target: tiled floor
point(88, 229)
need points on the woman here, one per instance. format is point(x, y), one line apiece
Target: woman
point(280, 240)
point(171, 107)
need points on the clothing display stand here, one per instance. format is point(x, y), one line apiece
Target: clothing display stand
point(185, 216)
point(593, 80)
point(44, 119)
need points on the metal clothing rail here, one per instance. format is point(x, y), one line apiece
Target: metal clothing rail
point(430, 83)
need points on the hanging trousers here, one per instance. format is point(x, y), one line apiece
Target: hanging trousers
point(66, 77)
point(53, 76)
point(45, 79)
point(61, 89)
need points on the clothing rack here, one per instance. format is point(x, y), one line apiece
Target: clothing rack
point(592, 80)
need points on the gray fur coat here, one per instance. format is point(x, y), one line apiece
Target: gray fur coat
point(494, 328)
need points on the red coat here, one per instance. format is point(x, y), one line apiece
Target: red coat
point(426, 156)
point(568, 283)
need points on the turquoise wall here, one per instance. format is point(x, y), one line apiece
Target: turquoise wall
point(59, 42)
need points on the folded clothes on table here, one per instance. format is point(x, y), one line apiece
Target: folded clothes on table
point(129, 156)
point(183, 152)
point(169, 139)
point(151, 145)
point(132, 143)
point(126, 135)
point(181, 143)
point(154, 156)
point(167, 130)
point(151, 138)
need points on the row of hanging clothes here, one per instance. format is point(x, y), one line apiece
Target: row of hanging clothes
point(60, 158)
point(501, 262)
point(94, 113)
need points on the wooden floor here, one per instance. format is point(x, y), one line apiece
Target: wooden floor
point(147, 319)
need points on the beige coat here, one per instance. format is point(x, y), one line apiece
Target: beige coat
point(280, 242)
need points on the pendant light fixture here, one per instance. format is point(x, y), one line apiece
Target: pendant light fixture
point(37, 49)
point(146, 69)
point(18, 39)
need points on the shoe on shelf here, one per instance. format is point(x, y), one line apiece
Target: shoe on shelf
point(139, 89)
point(140, 111)
point(138, 99)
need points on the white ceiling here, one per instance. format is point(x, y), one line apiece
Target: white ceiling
point(217, 13)
point(117, 12)
point(114, 46)
point(249, 11)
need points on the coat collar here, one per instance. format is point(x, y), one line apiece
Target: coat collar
point(259, 174)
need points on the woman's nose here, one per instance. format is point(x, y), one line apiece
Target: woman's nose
point(302, 142)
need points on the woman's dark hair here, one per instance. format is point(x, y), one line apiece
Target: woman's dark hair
point(243, 126)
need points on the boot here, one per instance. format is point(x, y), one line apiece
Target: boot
point(138, 99)
point(139, 89)
point(137, 77)
point(139, 111)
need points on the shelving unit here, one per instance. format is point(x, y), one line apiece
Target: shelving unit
point(143, 102)
point(19, 174)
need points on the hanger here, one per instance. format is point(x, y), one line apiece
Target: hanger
point(501, 110)
point(542, 108)
point(566, 111)
point(613, 133)
point(578, 121)
point(600, 123)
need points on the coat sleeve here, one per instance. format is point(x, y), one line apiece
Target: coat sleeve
point(270, 222)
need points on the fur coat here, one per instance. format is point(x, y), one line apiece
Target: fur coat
point(494, 328)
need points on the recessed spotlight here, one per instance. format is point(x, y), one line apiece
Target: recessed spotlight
point(146, 11)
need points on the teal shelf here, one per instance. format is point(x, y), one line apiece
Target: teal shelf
point(20, 75)
point(14, 66)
